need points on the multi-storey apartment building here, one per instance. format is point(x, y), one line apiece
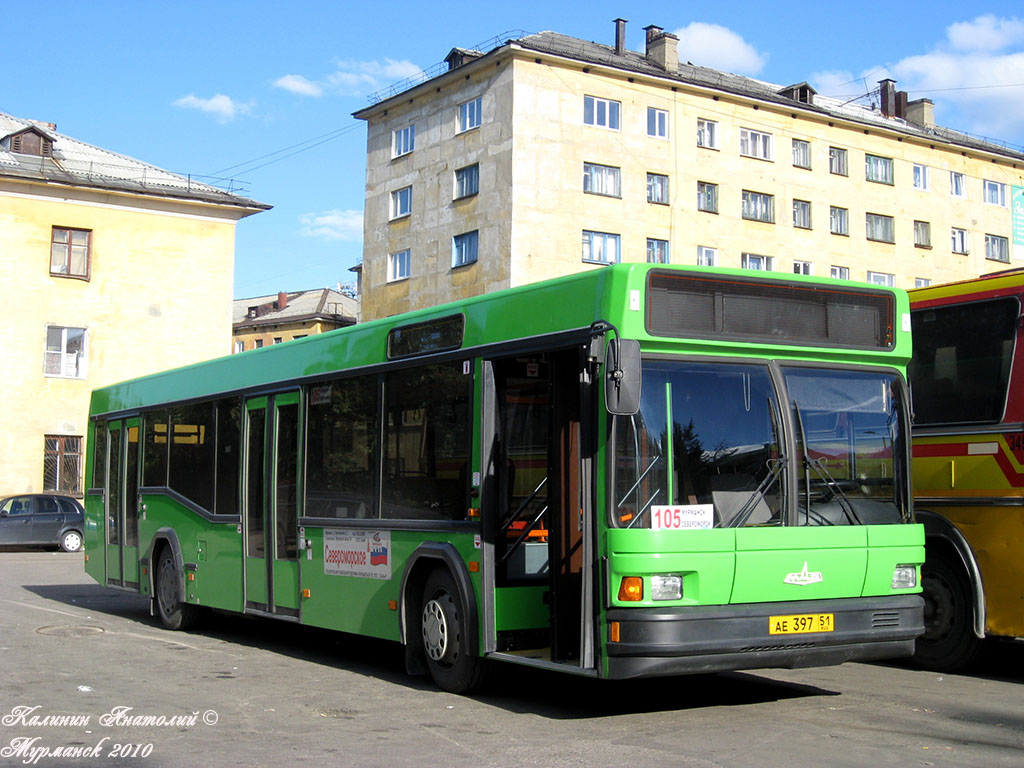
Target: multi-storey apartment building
point(547, 155)
point(112, 268)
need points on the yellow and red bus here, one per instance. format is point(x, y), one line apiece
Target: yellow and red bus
point(967, 374)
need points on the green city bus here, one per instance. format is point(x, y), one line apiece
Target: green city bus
point(639, 470)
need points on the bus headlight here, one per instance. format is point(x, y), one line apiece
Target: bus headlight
point(904, 577)
point(667, 587)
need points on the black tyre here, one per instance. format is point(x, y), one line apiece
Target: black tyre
point(948, 642)
point(445, 642)
point(173, 613)
point(71, 541)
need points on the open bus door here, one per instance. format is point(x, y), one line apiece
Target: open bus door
point(538, 510)
point(121, 499)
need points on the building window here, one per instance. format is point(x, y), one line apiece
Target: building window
point(398, 265)
point(707, 197)
point(878, 169)
point(997, 248)
point(959, 237)
point(839, 221)
point(922, 282)
point(278, 339)
point(995, 193)
point(239, 346)
point(801, 214)
point(657, 123)
point(467, 181)
point(603, 113)
point(707, 133)
point(258, 344)
point(839, 273)
point(401, 202)
point(921, 177)
point(922, 234)
point(69, 252)
point(657, 251)
point(464, 248)
point(837, 161)
point(657, 188)
point(469, 115)
point(755, 261)
point(403, 141)
point(756, 144)
point(802, 268)
point(880, 228)
point(602, 180)
point(956, 184)
point(67, 352)
point(758, 206)
point(706, 257)
point(801, 153)
point(62, 463)
point(880, 278)
point(601, 247)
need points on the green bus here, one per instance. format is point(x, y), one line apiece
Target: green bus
point(639, 470)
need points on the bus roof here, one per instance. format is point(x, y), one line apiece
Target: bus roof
point(1008, 282)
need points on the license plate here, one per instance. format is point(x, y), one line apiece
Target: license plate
point(802, 623)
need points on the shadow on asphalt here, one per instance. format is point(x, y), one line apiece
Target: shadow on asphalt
point(511, 687)
point(1000, 660)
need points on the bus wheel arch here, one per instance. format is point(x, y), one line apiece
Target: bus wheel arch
point(167, 582)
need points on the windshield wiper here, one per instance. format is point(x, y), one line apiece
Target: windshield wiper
point(758, 493)
point(819, 467)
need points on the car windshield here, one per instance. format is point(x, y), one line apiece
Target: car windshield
point(709, 448)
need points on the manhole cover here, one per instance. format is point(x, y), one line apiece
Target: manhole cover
point(70, 630)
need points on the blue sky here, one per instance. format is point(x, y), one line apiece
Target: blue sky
point(262, 93)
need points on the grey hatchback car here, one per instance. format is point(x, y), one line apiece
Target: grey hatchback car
point(42, 519)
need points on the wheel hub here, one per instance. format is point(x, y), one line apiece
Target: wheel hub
point(435, 631)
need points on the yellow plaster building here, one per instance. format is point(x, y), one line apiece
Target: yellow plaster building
point(112, 268)
point(548, 155)
point(265, 320)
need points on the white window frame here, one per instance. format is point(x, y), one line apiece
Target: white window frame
point(801, 153)
point(758, 206)
point(470, 114)
point(802, 214)
point(960, 241)
point(757, 262)
point(878, 169)
point(879, 228)
point(467, 181)
point(61, 363)
point(921, 177)
point(922, 234)
point(922, 282)
point(994, 193)
point(839, 221)
point(657, 123)
point(803, 268)
point(839, 273)
point(465, 248)
point(707, 196)
point(237, 346)
point(403, 141)
point(604, 180)
point(997, 248)
point(707, 256)
point(398, 265)
point(759, 145)
point(657, 188)
point(401, 203)
point(707, 133)
point(596, 247)
point(602, 113)
point(881, 278)
point(957, 184)
point(657, 251)
point(837, 161)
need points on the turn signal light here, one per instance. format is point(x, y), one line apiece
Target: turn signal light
point(631, 589)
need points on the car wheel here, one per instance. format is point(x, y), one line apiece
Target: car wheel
point(445, 643)
point(174, 614)
point(71, 541)
point(948, 642)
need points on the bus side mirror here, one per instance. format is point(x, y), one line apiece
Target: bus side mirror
point(622, 377)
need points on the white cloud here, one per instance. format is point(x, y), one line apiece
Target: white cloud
point(711, 45)
point(985, 33)
point(336, 224)
point(224, 108)
point(298, 84)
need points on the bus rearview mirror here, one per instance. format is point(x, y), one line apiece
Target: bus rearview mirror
point(622, 377)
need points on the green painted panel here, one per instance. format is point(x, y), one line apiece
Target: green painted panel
point(94, 542)
point(131, 565)
point(896, 535)
point(799, 573)
point(521, 608)
point(882, 561)
point(801, 537)
point(256, 580)
point(286, 584)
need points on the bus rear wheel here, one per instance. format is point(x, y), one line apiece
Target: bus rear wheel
point(948, 642)
point(174, 614)
point(445, 643)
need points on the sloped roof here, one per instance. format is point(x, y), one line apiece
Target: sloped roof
point(75, 163)
point(319, 303)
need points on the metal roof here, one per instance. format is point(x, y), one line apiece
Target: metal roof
point(301, 305)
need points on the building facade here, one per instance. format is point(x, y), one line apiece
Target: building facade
point(113, 269)
point(548, 155)
point(265, 320)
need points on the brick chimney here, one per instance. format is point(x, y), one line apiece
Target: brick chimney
point(887, 97)
point(662, 48)
point(921, 112)
point(620, 37)
point(282, 300)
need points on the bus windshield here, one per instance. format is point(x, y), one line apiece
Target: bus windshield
point(729, 462)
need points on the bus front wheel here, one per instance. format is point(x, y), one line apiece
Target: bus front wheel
point(445, 643)
point(948, 642)
point(174, 614)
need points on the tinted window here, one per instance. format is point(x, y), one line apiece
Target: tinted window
point(192, 455)
point(154, 449)
point(228, 451)
point(69, 508)
point(99, 454)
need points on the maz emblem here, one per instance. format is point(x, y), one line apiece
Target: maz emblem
point(804, 577)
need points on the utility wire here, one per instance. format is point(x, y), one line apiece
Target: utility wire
point(300, 147)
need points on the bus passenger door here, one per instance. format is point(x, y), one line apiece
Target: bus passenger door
point(122, 502)
point(271, 504)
